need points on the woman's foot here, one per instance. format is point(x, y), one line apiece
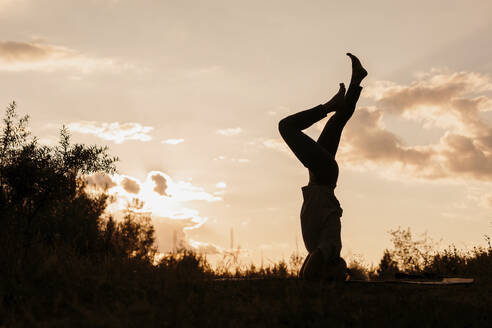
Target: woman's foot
point(338, 100)
point(358, 72)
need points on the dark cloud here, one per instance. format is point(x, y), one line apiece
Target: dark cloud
point(463, 157)
point(41, 56)
point(130, 186)
point(467, 112)
point(100, 180)
point(486, 140)
point(370, 141)
point(436, 89)
point(464, 151)
point(160, 184)
point(455, 156)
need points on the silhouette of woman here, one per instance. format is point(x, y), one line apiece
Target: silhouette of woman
point(321, 211)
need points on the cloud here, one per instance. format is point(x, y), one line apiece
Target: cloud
point(115, 131)
point(448, 101)
point(130, 185)
point(455, 156)
point(221, 185)
point(160, 184)
point(445, 100)
point(172, 235)
point(12, 51)
point(185, 191)
point(168, 203)
point(100, 181)
point(172, 141)
point(230, 132)
point(463, 156)
point(41, 56)
point(234, 160)
point(278, 145)
point(204, 248)
point(162, 197)
point(435, 87)
point(369, 140)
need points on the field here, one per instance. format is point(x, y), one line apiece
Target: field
point(145, 301)
point(182, 290)
point(66, 262)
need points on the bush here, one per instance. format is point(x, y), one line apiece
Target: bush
point(184, 265)
point(45, 207)
point(387, 267)
point(42, 194)
point(420, 257)
point(451, 261)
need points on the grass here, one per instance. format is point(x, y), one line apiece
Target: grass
point(278, 302)
point(64, 264)
point(183, 291)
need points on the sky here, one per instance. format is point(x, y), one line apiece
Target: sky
point(188, 95)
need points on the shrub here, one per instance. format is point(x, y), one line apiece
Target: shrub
point(45, 206)
point(184, 265)
point(387, 267)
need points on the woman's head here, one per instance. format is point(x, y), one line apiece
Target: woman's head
point(336, 270)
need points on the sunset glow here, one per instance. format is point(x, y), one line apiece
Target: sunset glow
point(189, 94)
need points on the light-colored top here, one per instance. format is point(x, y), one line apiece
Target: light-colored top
point(320, 220)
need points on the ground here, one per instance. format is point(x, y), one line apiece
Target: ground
point(262, 303)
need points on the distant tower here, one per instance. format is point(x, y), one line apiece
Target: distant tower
point(232, 239)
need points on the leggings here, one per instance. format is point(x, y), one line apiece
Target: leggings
point(319, 156)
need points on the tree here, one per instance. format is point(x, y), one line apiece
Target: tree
point(410, 255)
point(44, 202)
point(387, 266)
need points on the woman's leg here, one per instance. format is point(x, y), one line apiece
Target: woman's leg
point(311, 154)
point(308, 151)
point(330, 136)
